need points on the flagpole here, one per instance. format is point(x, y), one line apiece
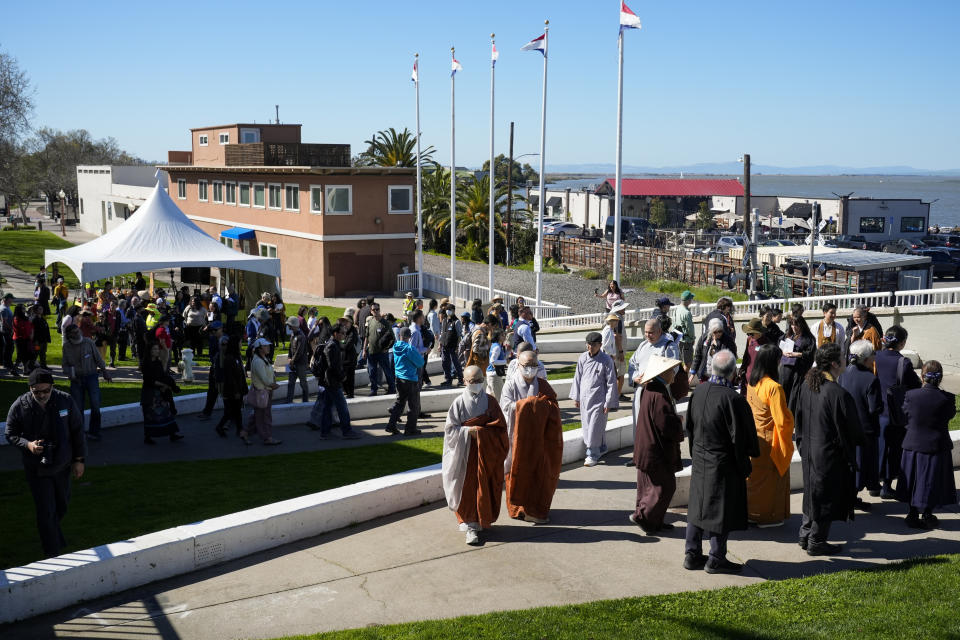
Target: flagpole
point(538, 265)
point(619, 168)
point(416, 60)
point(453, 186)
point(492, 174)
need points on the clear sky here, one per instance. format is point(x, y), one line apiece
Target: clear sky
point(844, 82)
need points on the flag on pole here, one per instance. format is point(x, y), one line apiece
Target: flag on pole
point(413, 76)
point(494, 55)
point(537, 44)
point(628, 19)
point(455, 67)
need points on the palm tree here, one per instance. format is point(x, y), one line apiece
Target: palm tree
point(391, 149)
point(436, 206)
point(473, 216)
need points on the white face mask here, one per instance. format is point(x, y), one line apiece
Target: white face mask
point(530, 372)
point(475, 387)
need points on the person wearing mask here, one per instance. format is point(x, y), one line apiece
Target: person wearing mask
point(333, 387)
point(46, 425)
point(535, 432)
point(796, 361)
point(407, 361)
point(712, 341)
point(722, 438)
point(475, 445)
point(768, 487)
point(298, 358)
point(232, 386)
point(896, 376)
point(80, 362)
point(657, 343)
point(41, 334)
point(926, 468)
point(724, 312)
point(194, 320)
point(23, 340)
point(215, 375)
point(594, 392)
point(264, 380)
point(682, 320)
point(433, 319)
point(497, 364)
point(827, 433)
point(515, 363)
point(377, 343)
point(864, 387)
point(449, 339)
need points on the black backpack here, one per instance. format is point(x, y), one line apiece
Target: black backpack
point(448, 337)
point(318, 363)
point(427, 337)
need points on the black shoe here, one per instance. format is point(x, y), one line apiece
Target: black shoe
point(373, 393)
point(914, 522)
point(423, 416)
point(875, 493)
point(861, 505)
point(175, 436)
point(694, 561)
point(803, 543)
point(722, 566)
point(887, 494)
point(930, 520)
point(446, 383)
point(349, 396)
point(642, 523)
point(95, 437)
point(414, 432)
point(629, 463)
point(666, 526)
point(149, 440)
point(392, 430)
point(822, 549)
point(221, 431)
point(313, 427)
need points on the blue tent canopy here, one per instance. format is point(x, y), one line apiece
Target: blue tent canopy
point(238, 233)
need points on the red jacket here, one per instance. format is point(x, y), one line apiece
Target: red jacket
point(163, 337)
point(22, 329)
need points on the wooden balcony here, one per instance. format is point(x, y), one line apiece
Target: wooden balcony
point(290, 154)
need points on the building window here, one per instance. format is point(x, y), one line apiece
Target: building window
point(400, 199)
point(244, 194)
point(316, 199)
point(230, 192)
point(224, 138)
point(109, 211)
point(913, 224)
point(81, 206)
point(872, 224)
point(203, 139)
point(202, 190)
point(258, 196)
point(268, 250)
point(181, 189)
point(292, 197)
point(228, 242)
point(218, 192)
point(339, 199)
point(248, 136)
point(245, 246)
point(274, 192)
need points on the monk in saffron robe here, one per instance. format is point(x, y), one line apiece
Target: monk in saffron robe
point(656, 445)
point(474, 446)
point(536, 442)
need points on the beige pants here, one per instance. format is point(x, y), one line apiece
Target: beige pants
point(494, 385)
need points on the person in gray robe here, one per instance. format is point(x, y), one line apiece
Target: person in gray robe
point(522, 384)
point(657, 343)
point(594, 391)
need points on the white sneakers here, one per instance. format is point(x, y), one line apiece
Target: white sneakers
point(590, 462)
point(473, 538)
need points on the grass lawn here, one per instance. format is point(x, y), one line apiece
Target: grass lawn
point(119, 502)
point(24, 251)
point(955, 423)
point(674, 288)
point(912, 599)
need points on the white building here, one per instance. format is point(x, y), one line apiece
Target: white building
point(109, 194)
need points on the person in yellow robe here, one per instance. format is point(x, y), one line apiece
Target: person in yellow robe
point(768, 487)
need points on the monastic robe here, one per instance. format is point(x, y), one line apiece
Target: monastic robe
point(595, 388)
point(472, 468)
point(768, 487)
point(536, 445)
point(656, 452)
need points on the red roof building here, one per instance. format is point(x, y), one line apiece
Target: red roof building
point(673, 187)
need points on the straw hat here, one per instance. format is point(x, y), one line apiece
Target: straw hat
point(614, 317)
point(657, 365)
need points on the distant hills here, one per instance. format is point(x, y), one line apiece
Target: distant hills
point(735, 168)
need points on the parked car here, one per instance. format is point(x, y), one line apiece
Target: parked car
point(778, 243)
point(632, 230)
point(563, 229)
point(902, 245)
point(725, 243)
point(944, 266)
point(851, 242)
point(950, 240)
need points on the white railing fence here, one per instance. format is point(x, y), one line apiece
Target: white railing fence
point(469, 291)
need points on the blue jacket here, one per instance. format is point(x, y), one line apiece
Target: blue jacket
point(406, 361)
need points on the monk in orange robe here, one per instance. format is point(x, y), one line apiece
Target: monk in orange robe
point(474, 446)
point(536, 441)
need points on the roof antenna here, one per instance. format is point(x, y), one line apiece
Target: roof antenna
point(278, 112)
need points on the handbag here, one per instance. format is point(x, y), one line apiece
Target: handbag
point(258, 398)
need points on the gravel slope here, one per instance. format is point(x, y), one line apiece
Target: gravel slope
point(568, 289)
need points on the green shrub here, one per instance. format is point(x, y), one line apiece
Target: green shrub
point(22, 227)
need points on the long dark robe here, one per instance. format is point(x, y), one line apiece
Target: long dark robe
point(793, 370)
point(723, 438)
point(537, 454)
point(656, 452)
point(484, 480)
point(159, 410)
point(827, 431)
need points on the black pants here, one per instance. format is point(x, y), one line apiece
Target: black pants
point(232, 412)
point(194, 339)
point(25, 355)
point(6, 350)
point(349, 375)
point(814, 531)
point(212, 394)
point(408, 394)
point(50, 497)
point(718, 542)
point(122, 340)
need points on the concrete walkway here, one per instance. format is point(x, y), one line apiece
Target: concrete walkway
point(415, 566)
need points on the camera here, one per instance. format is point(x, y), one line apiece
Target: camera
point(596, 290)
point(49, 455)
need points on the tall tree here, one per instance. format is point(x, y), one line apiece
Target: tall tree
point(704, 217)
point(436, 207)
point(57, 154)
point(16, 106)
point(521, 174)
point(391, 149)
point(658, 213)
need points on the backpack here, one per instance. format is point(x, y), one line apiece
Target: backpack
point(427, 337)
point(449, 338)
point(481, 343)
point(318, 363)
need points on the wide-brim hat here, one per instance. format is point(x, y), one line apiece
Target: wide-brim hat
point(619, 306)
point(657, 365)
point(754, 327)
point(497, 299)
point(409, 294)
point(293, 322)
point(613, 317)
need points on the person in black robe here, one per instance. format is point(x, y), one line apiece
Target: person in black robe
point(926, 468)
point(723, 438)
point(795, 364)
point(864, 387)
point(827, 431)
point(156, 399)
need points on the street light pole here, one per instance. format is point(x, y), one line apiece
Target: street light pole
point(63, 225)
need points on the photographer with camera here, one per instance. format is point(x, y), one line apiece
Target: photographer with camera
point(47, 425)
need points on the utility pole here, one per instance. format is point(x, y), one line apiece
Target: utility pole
point(814, 214)
point(510, 199)
point(277, 108)
point(746, 193)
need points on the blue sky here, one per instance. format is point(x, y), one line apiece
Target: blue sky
point(847, 82)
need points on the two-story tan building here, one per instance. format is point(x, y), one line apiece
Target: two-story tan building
point(337, 229)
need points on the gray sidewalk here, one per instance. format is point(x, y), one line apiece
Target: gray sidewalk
point(415, 566)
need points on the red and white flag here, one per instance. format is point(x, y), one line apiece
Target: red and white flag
point(494, 54)
point(628, 19)
point(413, 76)
point(537, 44)
point(454, 67)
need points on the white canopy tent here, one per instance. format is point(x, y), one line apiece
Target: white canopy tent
point(158, 236)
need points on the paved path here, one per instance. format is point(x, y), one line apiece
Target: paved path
point(415, 566)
